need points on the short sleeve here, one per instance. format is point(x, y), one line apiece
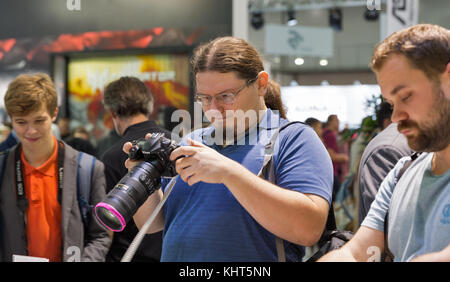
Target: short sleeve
point(377, 213)
point(373, 172)
point(302, 163)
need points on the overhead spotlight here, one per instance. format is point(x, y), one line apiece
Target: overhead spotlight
point(335, 19)
point(371, 15)
point(291, 17)
point(299, 61)
point(323, 62)
point(257, 20)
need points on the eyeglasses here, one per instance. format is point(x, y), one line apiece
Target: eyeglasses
point(226, 98)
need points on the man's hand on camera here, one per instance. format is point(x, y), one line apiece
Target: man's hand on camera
point(129, 164)
point(201, 163)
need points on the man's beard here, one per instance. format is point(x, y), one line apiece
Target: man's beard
point(434, 133)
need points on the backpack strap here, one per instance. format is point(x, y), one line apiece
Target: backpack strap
point(268, 153)
point(268, 169)
point(388, 256)
point(85, 174)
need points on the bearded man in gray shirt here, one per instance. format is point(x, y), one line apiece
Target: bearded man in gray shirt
point(413, 71)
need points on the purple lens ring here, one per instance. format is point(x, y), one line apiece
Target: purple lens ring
point(114, 212)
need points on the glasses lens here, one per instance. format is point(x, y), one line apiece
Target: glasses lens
point(226, 98)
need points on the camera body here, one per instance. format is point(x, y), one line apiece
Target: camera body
point(156, 149)
point(139, 183)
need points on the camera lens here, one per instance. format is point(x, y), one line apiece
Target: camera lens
point(127, 196)
point(109, 217)
point(139, 183)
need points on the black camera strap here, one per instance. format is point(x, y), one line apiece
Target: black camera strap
point(22, 201)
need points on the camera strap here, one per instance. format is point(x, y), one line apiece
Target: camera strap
point(22, 201)
point(128, 256)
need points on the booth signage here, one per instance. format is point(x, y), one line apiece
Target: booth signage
point(401, 14)
point(299, 41)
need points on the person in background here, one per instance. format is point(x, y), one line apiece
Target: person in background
point(64, 128)
point(130, 102)
point(316, 125)
point(39, 210)
point(82, 133)
point(80, 140)
point(329, 136)
point(5, 130)
point(10, 140)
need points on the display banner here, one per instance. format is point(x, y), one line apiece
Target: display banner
point(299, 40)
point(166, 75)
point(401, 14)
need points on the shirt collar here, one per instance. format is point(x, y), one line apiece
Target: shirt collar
point(141, 125)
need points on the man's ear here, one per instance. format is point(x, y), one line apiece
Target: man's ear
point(445, 81)
point(55, 115)
point(113, 114)
point(263, 82)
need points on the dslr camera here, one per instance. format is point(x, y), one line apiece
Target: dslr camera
point(139, 183)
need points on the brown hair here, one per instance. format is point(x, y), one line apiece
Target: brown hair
point(426, 46)
point(128, 96)
point(227, 54)
point(27, 93)
point(273, 98)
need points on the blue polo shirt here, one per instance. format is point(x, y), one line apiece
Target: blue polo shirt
point(205, 222)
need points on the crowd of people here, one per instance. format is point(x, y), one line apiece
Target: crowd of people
point(223, 207)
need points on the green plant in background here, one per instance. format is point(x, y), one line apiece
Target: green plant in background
point(369, 125)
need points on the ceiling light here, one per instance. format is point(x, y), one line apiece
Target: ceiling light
point(257, 20)
point(371, 15)
point(323, 62)
point(291, 18)
point(299, 61)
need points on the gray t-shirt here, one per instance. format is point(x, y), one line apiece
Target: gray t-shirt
point(419, 209)
point(379, 157)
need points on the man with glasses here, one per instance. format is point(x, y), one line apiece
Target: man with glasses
point(219, 209)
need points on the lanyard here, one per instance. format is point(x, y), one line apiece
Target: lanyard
point(20, 182)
